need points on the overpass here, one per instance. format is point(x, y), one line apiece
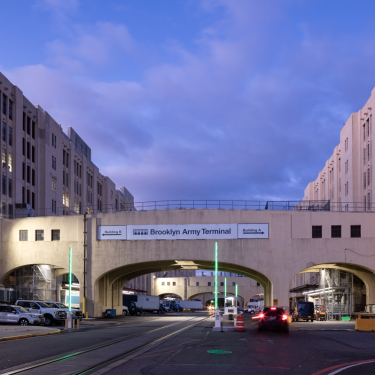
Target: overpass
point(270, 247)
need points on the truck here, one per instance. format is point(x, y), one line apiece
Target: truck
point(146, 303)
point(193, 305)
point(171, 305)
point(303, 311)
point(254, 307)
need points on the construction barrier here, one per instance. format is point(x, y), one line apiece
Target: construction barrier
point(240, 324)
point(365, 324)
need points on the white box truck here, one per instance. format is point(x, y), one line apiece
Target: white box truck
point(146, 303)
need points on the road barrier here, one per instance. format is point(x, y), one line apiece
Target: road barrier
point(365, 324)
point(240, 324)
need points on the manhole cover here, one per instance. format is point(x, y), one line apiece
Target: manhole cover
point(219, 351)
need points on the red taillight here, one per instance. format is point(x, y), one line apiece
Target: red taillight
point(261, 315)
point(285, 317)
point(273, 308)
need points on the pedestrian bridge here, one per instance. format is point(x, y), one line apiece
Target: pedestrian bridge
point(270, 247)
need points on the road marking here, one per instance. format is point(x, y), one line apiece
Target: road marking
point(348, 365)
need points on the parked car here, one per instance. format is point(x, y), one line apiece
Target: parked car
point(51, 315)
point(303, 311)
point(273, 318)
point(19, 315)
point(77, 313)
point(252, 309)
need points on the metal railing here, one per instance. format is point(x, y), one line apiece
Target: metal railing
point(324, 205)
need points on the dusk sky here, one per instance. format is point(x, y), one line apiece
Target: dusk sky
point(196, 99)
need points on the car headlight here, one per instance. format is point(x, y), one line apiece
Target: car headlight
point(35, 316)
point(56, 313)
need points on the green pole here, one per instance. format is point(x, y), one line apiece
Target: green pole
point(236, 290)
point(70, 279)
point(225, 289)
point(216, 272)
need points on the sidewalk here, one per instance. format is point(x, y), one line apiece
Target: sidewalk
point(12, 332)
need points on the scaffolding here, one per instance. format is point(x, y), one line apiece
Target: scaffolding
point(335, 291)
point(36, 282)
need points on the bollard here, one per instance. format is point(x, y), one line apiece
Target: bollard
point(66, 324)
point(78, 323)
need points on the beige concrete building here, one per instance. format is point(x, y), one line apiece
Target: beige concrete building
point(285, 250)
point(346, 179)
point(47, 169)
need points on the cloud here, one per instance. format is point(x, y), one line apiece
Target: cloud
point(252, 112)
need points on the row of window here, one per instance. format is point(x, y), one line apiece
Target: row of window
point(26, 197)
point(54, 140)
point(168, 283)
point(27, 171)
point(77, 169)
point(355, 231)
point(10, 108)
point(366, 179)
point(368, 154)
point(39, 235)
point(4, 160)
point(4, 210)
point(27, 124)
point(26, 147)
point(65, 159)
point(4, 186)
point(4, 134)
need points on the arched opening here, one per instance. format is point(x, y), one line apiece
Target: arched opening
point(343, 289)
point(108, 287)
point(43, 282)
point(169, 296)
point(208, 299)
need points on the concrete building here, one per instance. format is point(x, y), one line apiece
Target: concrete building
point(45, 168)
point(346, 179)
point(285, 249)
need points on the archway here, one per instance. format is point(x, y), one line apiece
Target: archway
point(220, 298)
point(345, 288)
point(108, 286)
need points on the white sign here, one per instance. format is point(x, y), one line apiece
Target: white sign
point(182, 232)
point(252, 231)
point(111, 232)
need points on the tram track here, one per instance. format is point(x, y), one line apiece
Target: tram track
point(114, 358)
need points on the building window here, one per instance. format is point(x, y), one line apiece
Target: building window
point(28, 125)
point(174, 283)
point(53, 162)
point(33, 177)
point(54, 184)
point(33, 200)
point(28, 196)
point(33, 131)
point(28, 150)
point(23, 235)
point(168, 283)
point(197, 283)
point(33, 154)
point(24, 121)
point(10, 187)
point(39, 235)
point(3, 185)
point(4, 132)
point(10, 211)
point(10, 162)
point(336, 231)
point(23, 146)
point(28, 174)
point(63, 177)
point(4, 105)
point(10, 136)
point(23, 171)
point(316, 231)
point(221, 284)
point(163, 283)
point(234, 283)
point(10, 110)
point(364, 180)
point(258, 284)
point(209, 283)
point(53, 140)
point(355, 231)
point(55, 235)
point(368, 177)
point(23, 194)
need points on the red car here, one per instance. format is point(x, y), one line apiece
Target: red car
point(273, 318)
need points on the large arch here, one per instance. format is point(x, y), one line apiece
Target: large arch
point(108, 287)
point(365, 274)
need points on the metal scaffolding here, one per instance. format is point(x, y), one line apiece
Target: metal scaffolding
point(37, 282)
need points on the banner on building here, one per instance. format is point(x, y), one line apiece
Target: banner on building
point(183, 232)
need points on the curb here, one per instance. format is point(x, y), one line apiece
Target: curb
point(27, 336)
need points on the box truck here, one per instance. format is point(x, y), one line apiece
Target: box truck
point(196, 305)
point(146, 303)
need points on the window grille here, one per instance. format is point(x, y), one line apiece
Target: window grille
point(55, 235)
point(39, 235)
point(23, 235)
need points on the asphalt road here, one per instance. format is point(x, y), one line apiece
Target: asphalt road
point(317, 348)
